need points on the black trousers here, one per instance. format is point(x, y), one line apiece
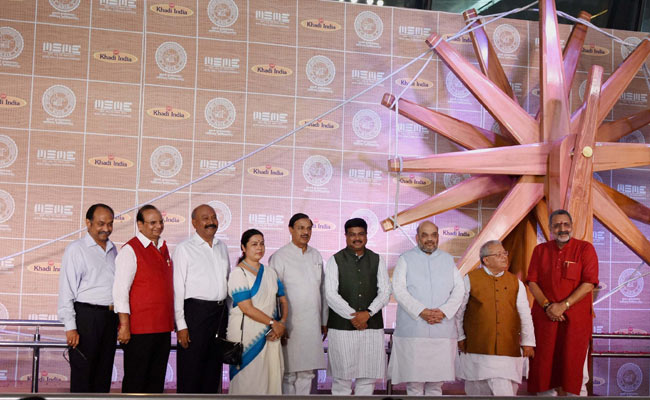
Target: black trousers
point(91, 363)
point(145, 363)
point(199, 366)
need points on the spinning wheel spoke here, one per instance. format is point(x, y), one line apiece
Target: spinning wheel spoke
point(630, 207)
point(614, 130)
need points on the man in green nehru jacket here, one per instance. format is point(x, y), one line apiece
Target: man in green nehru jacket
point(356, 288)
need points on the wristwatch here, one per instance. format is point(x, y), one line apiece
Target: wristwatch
point(272, 321)
point(566, 303)
point(546, 305)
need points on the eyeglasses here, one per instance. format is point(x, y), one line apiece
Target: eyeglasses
point(502, 254)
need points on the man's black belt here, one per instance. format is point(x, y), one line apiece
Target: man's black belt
point(95, 306)
point(207, 302)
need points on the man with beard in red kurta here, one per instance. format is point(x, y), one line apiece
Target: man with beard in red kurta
point(562, 275)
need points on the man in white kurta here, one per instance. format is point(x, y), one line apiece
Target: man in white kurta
point(300, 268)
point(429, 290)
point(494, 374)
point(356, 352)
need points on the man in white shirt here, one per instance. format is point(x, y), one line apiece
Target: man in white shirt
point(495, 325)
point(85, 303)
point(144, 300)
point(357, 288)
point(429, 290)
point(201, 268)
point(300, 268)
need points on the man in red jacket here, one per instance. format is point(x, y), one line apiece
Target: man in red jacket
point(562, 275)
point(143, 294)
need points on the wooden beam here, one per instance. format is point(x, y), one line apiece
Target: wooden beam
point(554, 105)
point(573, 50)
point(542, 214)
point(466, 192)
point(615, 220)
point(505, 110)
point(614, 130)
point(522, 198)
point(460, 132)
point(520, 244)
point(630, 207)
point(581, 174)
point(615, 85)
point(527, 159)
point(620, 155)
point(559, 163)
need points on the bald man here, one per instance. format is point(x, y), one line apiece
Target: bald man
point(429, 290)
point(201, 267)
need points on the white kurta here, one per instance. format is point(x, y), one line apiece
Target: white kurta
point(424, 359)
point(477, 367)
point(356, 354)
point(302, 277)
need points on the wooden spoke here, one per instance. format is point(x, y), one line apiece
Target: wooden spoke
point(505, 110)
point(614, 130)
point(630, 207)
point(620, 155)
point(460, 132)
point(542, 214)
point(615, 220)
point(522, 198)
point(616, 84)
point(554, 105)
point(573, 49)
point(528, 159)
point(582, 164)
point(520, 244)
point(466, 192)
point(559, 164)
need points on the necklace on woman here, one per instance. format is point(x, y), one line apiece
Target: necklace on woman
point(253, 269)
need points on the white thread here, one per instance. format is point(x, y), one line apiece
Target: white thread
point(619, 287)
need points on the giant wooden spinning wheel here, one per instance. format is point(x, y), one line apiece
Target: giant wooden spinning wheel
point(543, 163)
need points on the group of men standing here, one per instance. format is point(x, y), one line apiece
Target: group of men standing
point(485, 315)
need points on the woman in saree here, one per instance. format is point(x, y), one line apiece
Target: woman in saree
point(255, 291)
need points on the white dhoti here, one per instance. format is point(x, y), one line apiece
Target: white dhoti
point(422, 360)
point(488, 375)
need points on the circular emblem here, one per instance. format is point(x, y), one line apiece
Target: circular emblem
point(368, 26)
point(223, 13)
point(224, 216)
point(166, 161)
point(220, 113)
point(320, 70)
point(506, 38)
point(171, 57)
point(629, 377)
point(59, 101)
point(11, 43)
point(7, 206)
point(366, 124)
point(169, 374)
point(317, 170)
point(8, 151)
point(65, 5)
point(634, 137)
point(370, 218)
point(633, 42)
point(634, 288)
point(454, 179)
point(581, 90)
point(455, 87)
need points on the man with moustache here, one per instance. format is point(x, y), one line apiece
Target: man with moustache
point(356, 288)
point(300, 268)
point(144, 300)
point(85, 304)
point(562, 275)
point(428, 289)
point(495, 327)
point(201, 268)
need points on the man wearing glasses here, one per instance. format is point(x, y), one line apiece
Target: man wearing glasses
point(428, 289)
point(562, 275)
point(495, 327)
point(85, 304)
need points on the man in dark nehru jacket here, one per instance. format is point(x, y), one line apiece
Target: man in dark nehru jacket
point(356, 288)
point(144, 300)
point(86, 303)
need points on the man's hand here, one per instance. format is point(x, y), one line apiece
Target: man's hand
point(432, 316)
point(461, 345)
point(555, 312)
point(528, 351)
point(360, 319)
point(72, 337)
point(323, 331)
point(184, 338)
point(124, 334)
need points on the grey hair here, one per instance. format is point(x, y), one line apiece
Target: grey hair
point(484, 249)
point(559, 212)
